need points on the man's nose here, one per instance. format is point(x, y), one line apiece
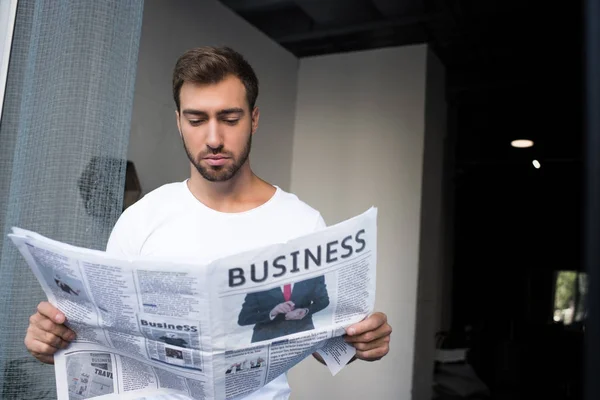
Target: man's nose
point(214, 138)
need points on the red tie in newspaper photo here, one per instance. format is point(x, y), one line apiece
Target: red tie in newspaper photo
point(287, 292)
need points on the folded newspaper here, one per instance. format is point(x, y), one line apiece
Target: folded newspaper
point(153, 329)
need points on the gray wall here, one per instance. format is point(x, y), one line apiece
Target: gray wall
point(359, 141)
point(169, 29)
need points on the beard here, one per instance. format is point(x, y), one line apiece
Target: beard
point(219, 173)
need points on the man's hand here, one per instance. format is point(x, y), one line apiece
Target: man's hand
point(47, 333)
point(370, 337)
point(282, 308)
point(296, 314)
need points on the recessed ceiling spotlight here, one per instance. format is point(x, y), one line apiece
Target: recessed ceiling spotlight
point(521, 143)
point(536, 164)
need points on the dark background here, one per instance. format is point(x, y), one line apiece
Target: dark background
point(514, 70)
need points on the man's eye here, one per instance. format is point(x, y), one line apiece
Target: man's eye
point(231, 121)
point(196, 122)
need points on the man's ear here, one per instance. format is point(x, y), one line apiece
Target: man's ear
point(255, 116)
point(178, 123)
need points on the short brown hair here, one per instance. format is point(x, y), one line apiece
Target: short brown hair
point(209, 65)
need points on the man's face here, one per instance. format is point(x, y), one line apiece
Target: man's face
point(216, 126)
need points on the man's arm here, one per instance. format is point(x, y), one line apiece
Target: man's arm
point(47, 332)
point(370, 337)
point(122, 241)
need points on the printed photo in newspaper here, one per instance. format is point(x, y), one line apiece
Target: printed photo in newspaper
point(280, 311)
point(90, 375)
point(172, 341)
point(60, 276)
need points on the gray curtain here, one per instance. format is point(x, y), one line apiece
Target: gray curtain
point(63, 145)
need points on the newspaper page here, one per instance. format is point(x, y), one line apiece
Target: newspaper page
point(147, 321)
point(156, 329)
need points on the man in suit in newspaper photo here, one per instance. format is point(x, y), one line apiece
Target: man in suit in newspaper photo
point(284, 310)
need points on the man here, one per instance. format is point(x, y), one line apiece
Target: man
point(284, 311)
point(223, 208)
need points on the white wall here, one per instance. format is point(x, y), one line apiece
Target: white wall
point(359, 141)
point(169, 29)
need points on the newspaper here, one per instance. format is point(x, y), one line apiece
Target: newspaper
point(155, 329)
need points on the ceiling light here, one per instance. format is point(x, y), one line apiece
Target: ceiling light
point(536, 164)
point(521, 143)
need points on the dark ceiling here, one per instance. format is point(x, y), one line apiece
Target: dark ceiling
point(463, 32)
point(312, 27)
point(508, 58)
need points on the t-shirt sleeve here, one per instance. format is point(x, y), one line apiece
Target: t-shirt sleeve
point(123, 241)
point(320, 223)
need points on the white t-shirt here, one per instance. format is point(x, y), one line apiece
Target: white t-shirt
point(170, 223)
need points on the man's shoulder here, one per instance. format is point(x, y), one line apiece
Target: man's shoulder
point(155, 205)
point(292, 203)
point(165, 192)
point(138, 220)
point(162, 196)
point(294, 210)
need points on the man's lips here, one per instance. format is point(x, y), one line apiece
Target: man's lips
point(216, 160)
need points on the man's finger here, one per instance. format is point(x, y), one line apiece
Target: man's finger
point(44, 358)
point(51, 312)
point(36, 336)
point(369, 324)
point(287, 308)
point(383, 331)
point(55, 341)
point(36, 347)
point(372, 345)
point(289, 315)
point(62, 331)
point(46, 337)
point(374, 354)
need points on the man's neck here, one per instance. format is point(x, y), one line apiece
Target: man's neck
point(242, 192)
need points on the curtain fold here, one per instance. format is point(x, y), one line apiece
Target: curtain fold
point(64, 135)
